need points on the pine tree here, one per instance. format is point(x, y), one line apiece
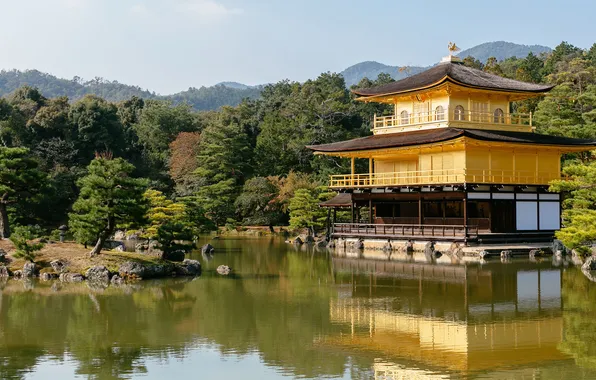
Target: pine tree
point(109, 198)
point(22, 239)
point(20, 181)
point(579, 214)
point(161, 211)
point(222, 164)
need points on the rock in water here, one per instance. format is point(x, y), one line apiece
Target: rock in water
point(17, 273)
point(58, 266)
point(309, 239)
point(429, 249)
point(189, 268)
point(359, 245)
point(29, 270)
point(224, 270)
point(131, 269)
point(589, 264)
point(47, 276)
point(298, 241)
point(117, 280)
point(2, 255)
point(4, 271)
point(71, 277)
point(98, 273)
point(207, 249)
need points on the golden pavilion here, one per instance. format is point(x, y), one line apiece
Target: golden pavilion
point(452, 163)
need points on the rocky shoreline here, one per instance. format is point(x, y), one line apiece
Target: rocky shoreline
point(127, 271)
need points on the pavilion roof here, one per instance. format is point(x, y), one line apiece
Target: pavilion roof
point(430, 136)
point(340, 200)
point(454, 72)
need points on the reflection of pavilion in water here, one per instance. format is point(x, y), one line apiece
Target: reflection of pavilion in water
point(439, 318)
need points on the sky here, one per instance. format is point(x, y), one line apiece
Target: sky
point(167, 46)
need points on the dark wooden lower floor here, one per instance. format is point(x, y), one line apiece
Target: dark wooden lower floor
point(491, 216)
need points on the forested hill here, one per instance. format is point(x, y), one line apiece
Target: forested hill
point(204, 98)
point(229, 93)
point(502, 50)
point(498, 49)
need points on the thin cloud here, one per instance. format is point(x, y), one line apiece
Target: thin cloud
point(139, 9)
point(74, 3)
point(207, 10)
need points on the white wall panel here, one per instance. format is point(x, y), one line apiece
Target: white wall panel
point(526, 216)
point(549, 216)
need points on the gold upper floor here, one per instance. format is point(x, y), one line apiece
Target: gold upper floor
point(461, 161)
point(450, 105)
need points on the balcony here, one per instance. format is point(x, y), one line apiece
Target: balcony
point(440, 177)
point(453, 117)
point(405, 231)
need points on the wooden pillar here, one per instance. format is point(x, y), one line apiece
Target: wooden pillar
point(465, 206)
point(352, 211)
point(370, 212)
point(352, 172)
point(370, 171)
point(419, 208)
point(328, 234)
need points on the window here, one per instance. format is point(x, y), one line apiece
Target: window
point(459, 113)
point(432, 209)
point(499, 116)
point(454, 209)
point(406, 209)
point(384, 210)
point(439, 113)
point(405, 118)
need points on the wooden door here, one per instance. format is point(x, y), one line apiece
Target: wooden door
point(502, 216)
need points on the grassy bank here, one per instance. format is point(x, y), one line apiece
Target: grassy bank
point(77, 257)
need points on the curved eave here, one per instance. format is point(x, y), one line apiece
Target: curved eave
point(366, 152)
point(448, 79)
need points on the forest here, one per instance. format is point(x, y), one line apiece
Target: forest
point(200, 99)
point(241, 165)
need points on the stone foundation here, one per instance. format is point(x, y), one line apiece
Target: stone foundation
point(440, 250)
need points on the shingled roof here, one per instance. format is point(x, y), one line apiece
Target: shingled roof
point(397, 140)
point(454, 72)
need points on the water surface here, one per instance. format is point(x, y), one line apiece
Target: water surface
point(300, 313)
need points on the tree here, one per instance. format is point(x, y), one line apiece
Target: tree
point(579, 214)
point(183, 161)
point(223, 160)
point(96, 126)
point(109, 199)
point(158, 125)
point(492, 66)
point(22, 237)
point(174, 237)
point(258, 202)
point(473, 62)
point(304, 208)
point(20, 181)
point(161, 211)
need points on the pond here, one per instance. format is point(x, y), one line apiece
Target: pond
point(301, 313)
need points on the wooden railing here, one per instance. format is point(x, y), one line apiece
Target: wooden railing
point(451, 114)
point(442, 177)
point(404, 230)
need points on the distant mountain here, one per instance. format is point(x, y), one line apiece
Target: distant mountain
point(229, 93)
point(371, 70)
point(236, 85)
point(503, 50)
point(204, 98)
point(499, 49)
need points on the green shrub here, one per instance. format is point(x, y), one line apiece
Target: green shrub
point(22, 237)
